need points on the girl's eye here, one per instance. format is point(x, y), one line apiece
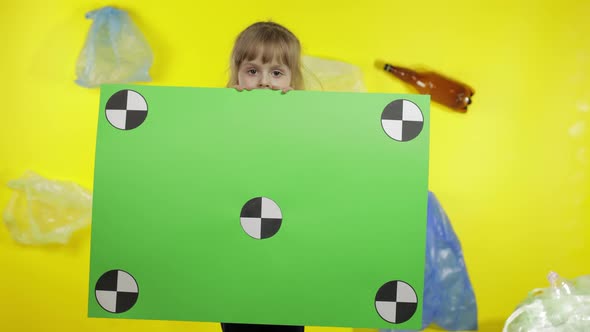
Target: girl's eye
point(276, 73)
point(252, 71)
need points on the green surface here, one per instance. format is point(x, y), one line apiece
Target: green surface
point(168, 196)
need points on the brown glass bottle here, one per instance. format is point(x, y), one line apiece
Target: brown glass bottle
point(441, 89)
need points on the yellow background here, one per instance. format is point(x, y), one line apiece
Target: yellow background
point(512, 173)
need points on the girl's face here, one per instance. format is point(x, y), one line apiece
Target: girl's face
point(257, 75)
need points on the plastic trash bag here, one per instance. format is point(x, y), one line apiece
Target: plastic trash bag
point(43, 211)
point(115, 51)
point(562, 307)
point(449, 300)
point(330, 75)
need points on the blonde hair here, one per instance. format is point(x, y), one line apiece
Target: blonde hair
point(273, 41)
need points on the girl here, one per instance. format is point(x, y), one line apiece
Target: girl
point(265, 56)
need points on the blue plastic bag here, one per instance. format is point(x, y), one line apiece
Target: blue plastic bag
point(449, 300)
point(115, 51)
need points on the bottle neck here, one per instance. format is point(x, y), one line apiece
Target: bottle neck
point(404, 74)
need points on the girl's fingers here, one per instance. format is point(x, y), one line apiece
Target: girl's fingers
point(274, 87)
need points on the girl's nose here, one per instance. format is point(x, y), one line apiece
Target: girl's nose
point(264, 82)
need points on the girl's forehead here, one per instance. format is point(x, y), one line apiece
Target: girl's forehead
point(266, 54)
point(260, 60)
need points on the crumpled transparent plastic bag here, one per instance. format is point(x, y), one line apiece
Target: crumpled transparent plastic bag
point(562, 307)
point(449, 300)
point(320, 74)
point(115, 50)
point(43, 211)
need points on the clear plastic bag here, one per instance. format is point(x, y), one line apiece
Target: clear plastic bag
point(449, 300)
point(43, 211)
point(321, 74)
point(562, 307)
point(115, 50)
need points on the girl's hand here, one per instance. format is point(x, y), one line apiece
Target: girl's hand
point(284, 90)
point(239, 87)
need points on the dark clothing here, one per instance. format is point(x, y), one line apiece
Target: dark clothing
point(230, 327)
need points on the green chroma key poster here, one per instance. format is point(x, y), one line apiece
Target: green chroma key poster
point(305, 208)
